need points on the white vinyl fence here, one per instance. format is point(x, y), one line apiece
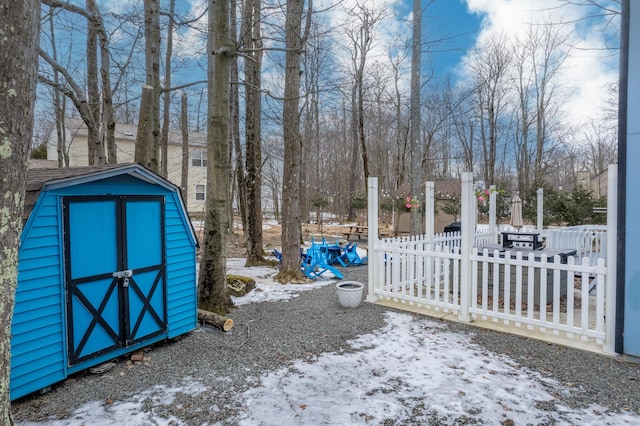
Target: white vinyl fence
point(589, 241)
point(541, 294)
point(556, 298)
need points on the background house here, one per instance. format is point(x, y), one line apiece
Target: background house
point(76, 145)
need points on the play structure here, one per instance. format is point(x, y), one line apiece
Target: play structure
point(323, 257)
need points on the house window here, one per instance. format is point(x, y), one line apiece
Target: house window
point(200, 192)
point(199, 158)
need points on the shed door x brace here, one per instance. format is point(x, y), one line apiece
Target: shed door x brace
point(115, 272)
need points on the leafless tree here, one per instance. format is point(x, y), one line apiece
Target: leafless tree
point(212, 282)
point(361, 39)
point(402, 129)
point(460, 106)
point(490, 67)
point(76, 93)
point(149, 133)
point(184, 125)
point(166, 100)
point(295, 40)
point(547, 58)
point(19, 24)
point(415, 177)
point(600, 147)
point(251, 39)
point(59, 100)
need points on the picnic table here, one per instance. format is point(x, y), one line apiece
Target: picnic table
point(355, 231)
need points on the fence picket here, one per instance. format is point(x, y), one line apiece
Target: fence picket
point(416, 272)
point(436, 278)
point(474, 279)
point(557, 288)
point(570, 292)
point(600, 299)
point(530, 288)
point(507, 287)
point(485, 281)
point(518, 286)
point(496, 285)
point(544, 286)
point(584, 289)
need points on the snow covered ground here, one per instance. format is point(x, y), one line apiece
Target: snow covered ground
point(406, 362)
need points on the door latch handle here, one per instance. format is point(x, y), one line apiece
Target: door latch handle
point(123, 274)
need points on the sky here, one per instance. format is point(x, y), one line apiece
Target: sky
point(591, 65)
point(452, 31)
point(410, 358)
point(466, 25)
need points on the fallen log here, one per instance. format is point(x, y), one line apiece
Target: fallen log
point(211, 318)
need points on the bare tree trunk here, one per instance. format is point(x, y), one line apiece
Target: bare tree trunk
point(75, 93)
point(415, 177)
point(164, 136)
point(361, 42)
point(355, 153)
point(252, 39)
point(19, 22)
point(144, 137)
point(152, 65)
point(184, 175)
point(212, 281)
point(108, 120)
point(524, 121)
point(93, 92)
point(363, 144)
point(198, 114)
point(548, 60)
point(291, 234)
point(490, 66)
point(240, 179)
point(59, 103)
point(401, 140)
point(86, 99)
point(276, 203)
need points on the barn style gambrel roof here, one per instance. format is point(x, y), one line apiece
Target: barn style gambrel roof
point(54, 178)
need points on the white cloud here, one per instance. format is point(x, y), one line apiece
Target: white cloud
point(191, 42)
point(588, 71)
point(390, 30)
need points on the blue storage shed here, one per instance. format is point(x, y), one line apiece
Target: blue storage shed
point(107, 265)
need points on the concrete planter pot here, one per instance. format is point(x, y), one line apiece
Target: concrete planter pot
point(349, 293)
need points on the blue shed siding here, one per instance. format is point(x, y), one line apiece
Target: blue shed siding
point(182, 294)
point(39, 342)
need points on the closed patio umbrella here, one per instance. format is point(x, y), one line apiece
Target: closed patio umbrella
point(516, 212)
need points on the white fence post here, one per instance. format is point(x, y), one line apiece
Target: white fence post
point(372, 235)
point(429, 206)
point(468, 229)
point(612, 258)
point(540, 223)
point(492, 213)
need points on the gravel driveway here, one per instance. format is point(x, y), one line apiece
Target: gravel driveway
point(270, 335)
